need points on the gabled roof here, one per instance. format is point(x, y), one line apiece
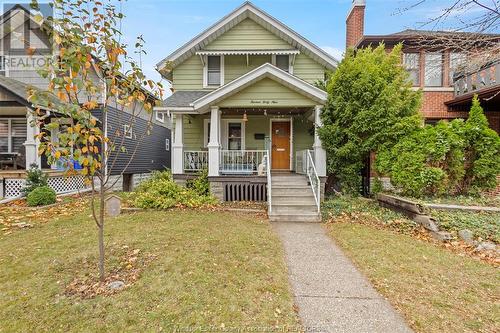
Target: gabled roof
point(247, 10)
point(267, 70)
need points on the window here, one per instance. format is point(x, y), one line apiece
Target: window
point(12, 135)
point(127, 131)
point(234, 136)
point(433, 70)
point(160, 116)
point(214, 75)
point(206, 134)
point(167, 144)
point(283, 62)
point(457, 62)
point(3, 66)
point(411, 62)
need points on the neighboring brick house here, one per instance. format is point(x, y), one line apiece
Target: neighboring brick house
point(445, 94)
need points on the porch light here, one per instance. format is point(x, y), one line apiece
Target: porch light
point(245, 118)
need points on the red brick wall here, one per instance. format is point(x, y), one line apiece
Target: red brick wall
point(433, 105)
point(355, 25)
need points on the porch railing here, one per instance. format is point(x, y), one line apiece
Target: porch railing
point(195, 160)
point(304, 164)
point(486, 77)
point(269, 182)
point(242, 161)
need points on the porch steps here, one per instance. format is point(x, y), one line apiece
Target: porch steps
point(292, 199)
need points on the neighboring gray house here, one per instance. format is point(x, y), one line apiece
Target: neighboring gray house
point(18, 149)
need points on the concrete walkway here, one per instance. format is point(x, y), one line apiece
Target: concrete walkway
point(332, 295)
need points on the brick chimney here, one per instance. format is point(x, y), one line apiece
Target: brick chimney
point(355, 23)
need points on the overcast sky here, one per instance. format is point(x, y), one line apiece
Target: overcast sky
point(168, 24)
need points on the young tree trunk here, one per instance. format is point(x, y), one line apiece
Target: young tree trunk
point(101, 231)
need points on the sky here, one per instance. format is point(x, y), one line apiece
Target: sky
point(168, 24)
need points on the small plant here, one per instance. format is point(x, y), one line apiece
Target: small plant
point(200, 184)
point(35, 178)
point(41, 196)
point(161, 192)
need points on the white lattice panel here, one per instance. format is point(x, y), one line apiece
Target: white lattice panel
point(13, 187)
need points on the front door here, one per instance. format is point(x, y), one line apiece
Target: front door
point(280, 145)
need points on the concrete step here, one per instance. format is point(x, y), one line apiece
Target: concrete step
point(282, 199)
point(290, 186)
point(294, 208)
point(295, 217)
point(301, 182)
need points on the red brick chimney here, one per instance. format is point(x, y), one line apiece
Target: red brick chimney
point(355, 23)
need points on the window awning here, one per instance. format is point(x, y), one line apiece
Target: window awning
point(247, 52)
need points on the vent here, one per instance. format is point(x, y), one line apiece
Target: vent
point(245, 192)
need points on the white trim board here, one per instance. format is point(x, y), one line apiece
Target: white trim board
point(247, 10)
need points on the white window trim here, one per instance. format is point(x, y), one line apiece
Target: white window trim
point(127, 131)
point(205, 72)
point(167, 144)
point(205, 132)
point(160, 116)
point(290, 62)
point(225, 132)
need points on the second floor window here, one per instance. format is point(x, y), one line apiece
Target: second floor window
point(411, 63)
point(214, 70)
point(457, 62)
point(433, 70)
point(283, 62)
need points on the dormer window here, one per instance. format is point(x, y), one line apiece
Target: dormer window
point(283, 62)
point(214, 76)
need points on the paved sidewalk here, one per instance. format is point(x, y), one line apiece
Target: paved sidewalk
point(332, 295)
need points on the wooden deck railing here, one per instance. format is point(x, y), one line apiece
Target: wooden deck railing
point(486, 77)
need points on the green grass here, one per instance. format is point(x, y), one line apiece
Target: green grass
point(436, 290)
point(212, 268)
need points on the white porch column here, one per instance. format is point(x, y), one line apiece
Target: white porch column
point(214, 144)
point(31, 144)
point(178, 146)
point(319, 152)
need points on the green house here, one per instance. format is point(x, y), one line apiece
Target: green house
point(245, 105)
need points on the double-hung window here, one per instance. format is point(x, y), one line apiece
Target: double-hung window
point(213, 75)
point(234, 135)
point(12, 135)
point(283, 62)
point(411, 63)
point(457, 61)
point(433, 70)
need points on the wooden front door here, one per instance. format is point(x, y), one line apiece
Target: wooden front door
point(280, 145)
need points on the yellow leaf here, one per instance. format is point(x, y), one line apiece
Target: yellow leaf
point(57, 154)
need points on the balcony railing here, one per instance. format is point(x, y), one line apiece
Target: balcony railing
point(242, 161)
point(472, 82)
point(195, 161)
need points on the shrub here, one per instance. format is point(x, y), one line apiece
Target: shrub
point(452, 158)
point(370, 104)
point(34, 178)
point(41, 196)
point(200, 184)
point(161, 192)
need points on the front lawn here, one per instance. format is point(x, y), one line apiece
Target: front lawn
point(436, 289)
point(204, 269)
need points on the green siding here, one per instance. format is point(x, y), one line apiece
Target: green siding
point(236, 66)
point(301, 139)
point(248, 35)
point(267, 93)
point(188, 75)
point(308, 69)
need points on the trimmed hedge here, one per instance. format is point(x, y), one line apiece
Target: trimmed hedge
point(41, 196)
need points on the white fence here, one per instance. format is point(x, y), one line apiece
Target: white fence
point(12, 187)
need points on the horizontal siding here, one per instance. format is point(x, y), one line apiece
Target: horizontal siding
point(302, 138)
point(308, 69)
point(188, 75)
point(150, 153)
point(248, 35)
point(193, 133)
point(267, 93)
point(236, 66)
